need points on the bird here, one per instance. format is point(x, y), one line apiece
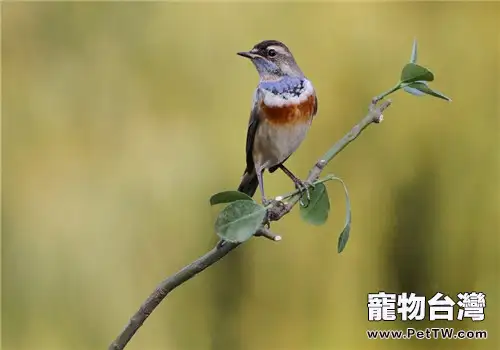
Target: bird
point(283, 108)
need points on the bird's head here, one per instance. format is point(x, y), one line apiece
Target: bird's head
point(273, 60)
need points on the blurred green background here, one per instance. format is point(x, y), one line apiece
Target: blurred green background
point(121, 119)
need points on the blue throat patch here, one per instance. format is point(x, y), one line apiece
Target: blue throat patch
point(289, 85)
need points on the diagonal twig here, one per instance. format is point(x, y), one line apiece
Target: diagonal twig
point(374, 115)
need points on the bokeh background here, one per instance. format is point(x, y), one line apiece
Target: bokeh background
point(121, 119)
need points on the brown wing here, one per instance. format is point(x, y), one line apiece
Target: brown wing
point(253, 124)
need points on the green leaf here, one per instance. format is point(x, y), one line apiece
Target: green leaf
point(413, 91)
point(423, 88)
point(413, 72)
point(316, 210)
point(413, 58)
point(239, 220)
point(228, 197)
point(344, 235)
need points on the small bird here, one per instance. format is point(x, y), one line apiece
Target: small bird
point(284, 106)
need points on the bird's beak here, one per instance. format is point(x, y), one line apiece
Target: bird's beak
point(247, 54)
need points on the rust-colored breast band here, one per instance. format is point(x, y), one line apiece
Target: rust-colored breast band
point(289, 114)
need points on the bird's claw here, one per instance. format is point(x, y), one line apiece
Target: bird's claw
point(303, 186)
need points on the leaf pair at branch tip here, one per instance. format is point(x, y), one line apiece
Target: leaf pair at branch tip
point(414, 78)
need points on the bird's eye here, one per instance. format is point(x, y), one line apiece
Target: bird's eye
point(271, 53)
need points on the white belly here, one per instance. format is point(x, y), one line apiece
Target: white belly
point(274, 142)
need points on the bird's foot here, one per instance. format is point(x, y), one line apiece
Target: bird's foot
point(303, 187)
point(266, 202)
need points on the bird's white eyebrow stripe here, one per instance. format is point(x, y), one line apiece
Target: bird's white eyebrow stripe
point(278, 49)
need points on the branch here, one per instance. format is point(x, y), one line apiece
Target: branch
point(278, 210)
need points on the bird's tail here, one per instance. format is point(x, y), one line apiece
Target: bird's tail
point(249, 183)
